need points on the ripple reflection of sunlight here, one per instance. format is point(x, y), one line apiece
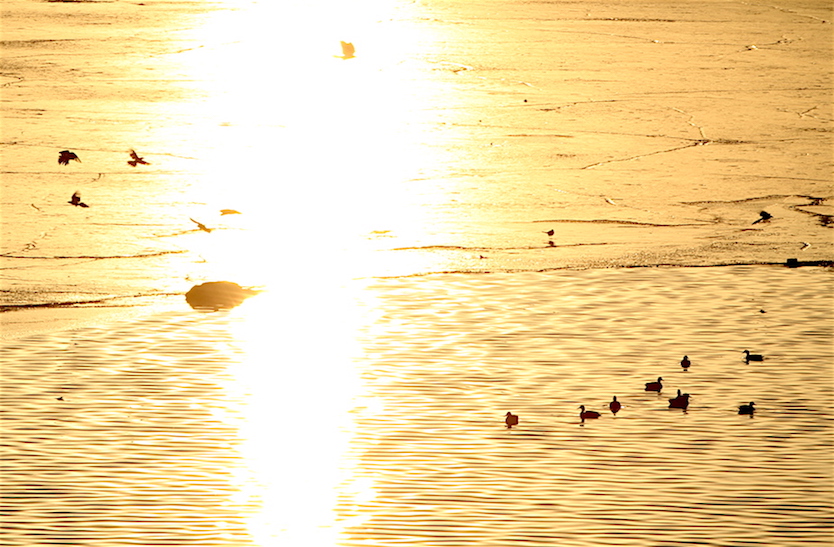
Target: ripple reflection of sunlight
point(301, 384)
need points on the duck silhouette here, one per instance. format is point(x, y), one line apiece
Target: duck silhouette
point(615, 405)
point(76, 200)
point(752, 356)
point(65, 156)
point(747, 409)
point(685, 363)
point(511, 420)
point(587, 414)
point(655, 386)
point(681, 401)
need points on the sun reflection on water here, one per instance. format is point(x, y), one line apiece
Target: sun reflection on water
point(319, 154)
point(300, 384)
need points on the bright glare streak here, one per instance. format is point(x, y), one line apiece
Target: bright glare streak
point(317, 152)
point(301, 384)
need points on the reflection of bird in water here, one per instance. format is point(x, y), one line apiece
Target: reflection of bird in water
point(135, 159)
point(511, 420)
point(229, 212)
point(747, 409)
point(685, 363)
point(65, 156)
point(200, 225)
point(348, 50)
point(752, 356)
point(587, 414)
point(615, 405)
point(76, 200)
point(764, 216)
point(654, 386)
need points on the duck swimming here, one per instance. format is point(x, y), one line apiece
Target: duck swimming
point(752, 356)
point(588, 414)
point(615, 405)
point(681, 401)
point(747, 409)
point(685, 363)
point(655, 386)
point(511, 420)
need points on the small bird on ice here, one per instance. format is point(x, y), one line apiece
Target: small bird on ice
point(76, 200)
point(135, 159)
point(200, 225)
point(347, 51)
point(65, 156)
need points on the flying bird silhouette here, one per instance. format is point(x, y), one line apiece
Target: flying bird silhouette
point(76, 200)
point(135, 159)
point(200, 225)
point(348, 50)
point(764, 216)
point(65, 156)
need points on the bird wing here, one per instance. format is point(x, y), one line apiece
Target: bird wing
point(133, 154)
point(76, 198)
point(199, 224)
